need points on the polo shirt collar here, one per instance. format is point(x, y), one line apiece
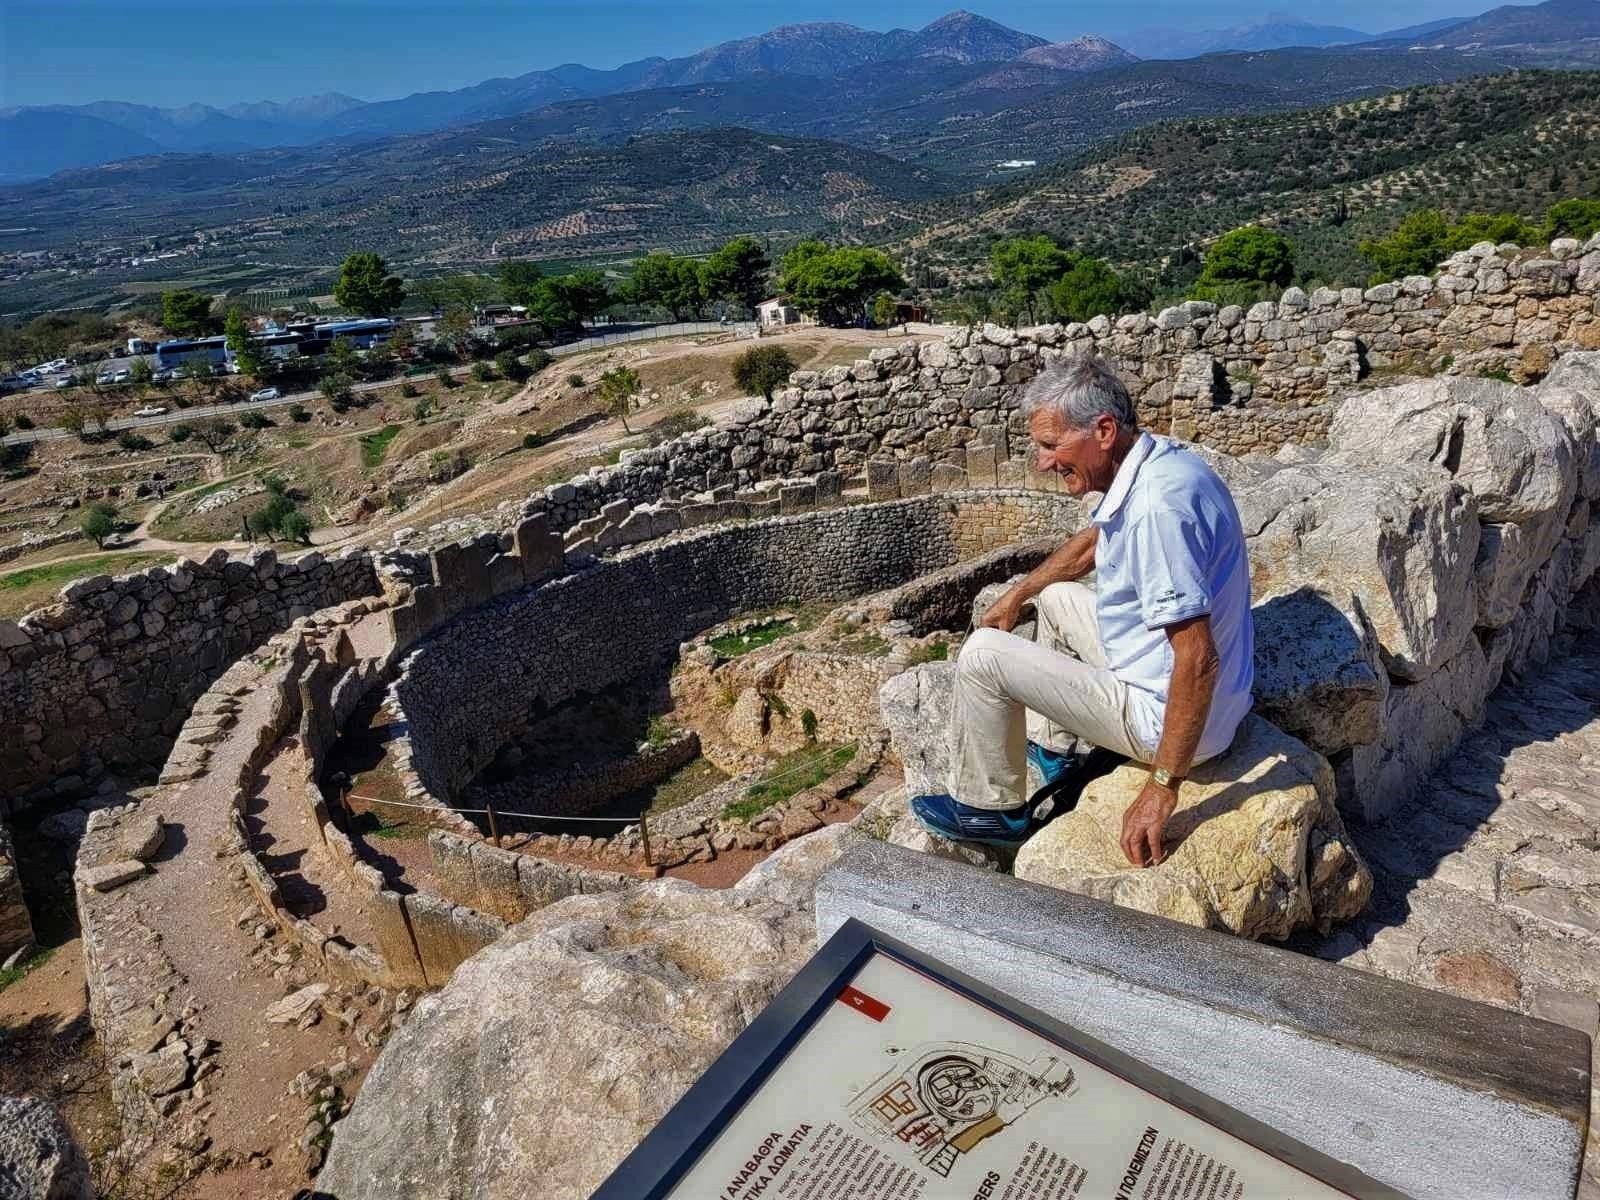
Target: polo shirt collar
point(1117, 494)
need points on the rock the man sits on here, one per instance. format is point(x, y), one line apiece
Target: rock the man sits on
point(1154, 663)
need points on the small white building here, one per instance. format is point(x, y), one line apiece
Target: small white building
point(777, 311)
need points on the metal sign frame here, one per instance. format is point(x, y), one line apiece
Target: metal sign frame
point(672, 1148)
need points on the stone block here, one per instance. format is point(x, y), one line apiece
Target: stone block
point(505, 574)
point(498, 892)
point(830, 488)
point(1414, 1087)
point(539, 549)
point(947, 477)
point(916, 477)
point(883, 479)
point(797, 498)
point(982, 465)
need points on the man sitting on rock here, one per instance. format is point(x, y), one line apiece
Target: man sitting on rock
point(1154, 663)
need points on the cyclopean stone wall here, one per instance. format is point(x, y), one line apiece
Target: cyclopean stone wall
point(473, 681)
point(1238, 379)
point(104, 680)
point(16, 929)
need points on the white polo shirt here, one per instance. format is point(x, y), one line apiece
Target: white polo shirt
point(1170, 548)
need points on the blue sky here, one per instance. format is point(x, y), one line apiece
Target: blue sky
point(222, 51)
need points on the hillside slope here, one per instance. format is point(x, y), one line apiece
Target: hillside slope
point(1508, 142)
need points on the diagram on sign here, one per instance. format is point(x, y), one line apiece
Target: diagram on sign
point(950, 1096)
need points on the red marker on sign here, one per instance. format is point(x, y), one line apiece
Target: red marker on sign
point(864, 1004)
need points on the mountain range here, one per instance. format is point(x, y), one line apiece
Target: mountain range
point(36, 141)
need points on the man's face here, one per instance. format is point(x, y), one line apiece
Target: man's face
point(1082, 457)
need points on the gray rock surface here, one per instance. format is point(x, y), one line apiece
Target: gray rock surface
point(916, 711)
point(112, 875)
point(552, 1052)
point(1318, 673)
point(1403, 539)
point(1495, 438)
point(142, 835)
point(39, 1157)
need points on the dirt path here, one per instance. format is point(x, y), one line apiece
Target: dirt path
point(194, 905)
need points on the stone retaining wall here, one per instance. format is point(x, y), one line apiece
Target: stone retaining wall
point(508, 885)
point(16, 929)
point(59, 538)
point(473, 681)
point(104, 680)
point(579, 791)
point(1233, 378)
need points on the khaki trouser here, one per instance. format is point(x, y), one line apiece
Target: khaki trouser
point(1062, 682)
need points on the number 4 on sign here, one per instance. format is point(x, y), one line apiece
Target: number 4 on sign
point(864, 1004)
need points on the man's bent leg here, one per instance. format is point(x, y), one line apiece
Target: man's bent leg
point(997, 676)
point(1066, 623)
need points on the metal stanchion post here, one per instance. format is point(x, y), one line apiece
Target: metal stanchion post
point(644, 829)
point(494, 830)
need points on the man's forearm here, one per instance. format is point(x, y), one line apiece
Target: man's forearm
point(1194, 680)
point(1073, 559)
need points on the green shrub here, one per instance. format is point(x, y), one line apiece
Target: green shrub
point(180, 432)
point(298, 413)
point(129, 440)
point(482, 372)
point(409, 390)
point(24, 421)
point(575, 380)
point(446, 380)
point(255, 420)
point(532, 441)
point(539, 359)
point(763, 368)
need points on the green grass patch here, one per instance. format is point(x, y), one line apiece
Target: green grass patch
point(10, 975)
point(732, 645)
point(26, 589)
point(790, 775)
point(376, 444)
point(932, 652)
point(689, 782)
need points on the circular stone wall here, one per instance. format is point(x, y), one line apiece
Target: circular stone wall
point(468, 685)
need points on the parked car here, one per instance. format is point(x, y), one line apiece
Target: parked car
point(267, 393)
point(150, 410)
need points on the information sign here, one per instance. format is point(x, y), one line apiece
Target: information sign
point(880, 1075)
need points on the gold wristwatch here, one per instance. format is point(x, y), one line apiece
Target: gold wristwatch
point(1166, 778)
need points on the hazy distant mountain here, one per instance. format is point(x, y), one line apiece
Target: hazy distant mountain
point(1080, 54)
point(1557, 33)
point(34, 143)
point(1408, 32)
point(1277, 31)
point(308, 110)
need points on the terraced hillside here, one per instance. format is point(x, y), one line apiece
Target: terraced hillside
point(465, 195)
point(1507, 142)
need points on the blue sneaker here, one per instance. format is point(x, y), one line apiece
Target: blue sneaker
point(1052, 764)
point(949, 818)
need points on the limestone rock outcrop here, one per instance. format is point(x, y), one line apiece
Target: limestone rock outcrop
point(1402, 538)
point(39, 1158)
point(1256, 846)
point(1318, 673)
point(916, 712)
point(552, 1052)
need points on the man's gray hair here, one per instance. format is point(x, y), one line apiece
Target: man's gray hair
point(1080, 389)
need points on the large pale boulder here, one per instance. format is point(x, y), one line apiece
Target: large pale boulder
point(1495, 438)
point(1256, 846)
point(1572, 392)
point(39, 1158)
point(553, 1051)
point(1402, 540)
point(915, 706)
point(1318, 673)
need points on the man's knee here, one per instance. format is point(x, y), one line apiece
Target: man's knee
point(982, 651)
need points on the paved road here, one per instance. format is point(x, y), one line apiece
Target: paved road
point(613, 336)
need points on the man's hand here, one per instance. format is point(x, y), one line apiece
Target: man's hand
point(1003, 614)
point(1143, 823)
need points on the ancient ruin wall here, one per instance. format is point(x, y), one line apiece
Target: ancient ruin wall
point(104, 680)
point(1238, 379)
point(465, 689)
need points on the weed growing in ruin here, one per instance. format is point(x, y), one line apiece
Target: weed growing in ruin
point(376, 444)
point(732, 645)
point(789, 776)
point(932, 652)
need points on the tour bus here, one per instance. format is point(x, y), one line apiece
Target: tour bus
point(172, 355)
